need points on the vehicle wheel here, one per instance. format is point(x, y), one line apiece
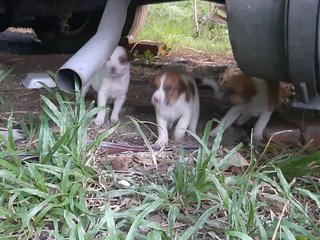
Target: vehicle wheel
point(257, 36)
point(81, 27)
point(271, 40)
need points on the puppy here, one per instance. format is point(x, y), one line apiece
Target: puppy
point(250, 97)
point(111, 82)
point(175, 98)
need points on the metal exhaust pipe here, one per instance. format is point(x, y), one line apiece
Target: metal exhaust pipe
point(94, 53)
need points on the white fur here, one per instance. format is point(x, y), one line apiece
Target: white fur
point(111, 82)
point(258, 106)
point(187, 113)
point(214, 84)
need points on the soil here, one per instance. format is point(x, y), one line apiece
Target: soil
point(20, 49)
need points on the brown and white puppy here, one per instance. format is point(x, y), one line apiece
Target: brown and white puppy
point(250, 97)
point(111, 82)
point(176, 98)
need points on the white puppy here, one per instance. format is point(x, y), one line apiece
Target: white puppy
point(111, 81)
point(176, 98)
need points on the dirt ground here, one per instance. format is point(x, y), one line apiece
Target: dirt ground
point(20, 49)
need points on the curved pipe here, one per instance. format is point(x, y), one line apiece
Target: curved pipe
point(94, 53)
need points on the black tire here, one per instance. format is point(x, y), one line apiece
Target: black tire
point(82, 26)
point(257, 36)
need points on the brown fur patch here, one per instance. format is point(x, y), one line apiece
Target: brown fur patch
point(191, 90)
point(125, 58)
point(174, 86)
point(238, 88)
point(156, 82)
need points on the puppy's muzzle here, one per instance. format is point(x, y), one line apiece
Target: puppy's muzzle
point(156, 100)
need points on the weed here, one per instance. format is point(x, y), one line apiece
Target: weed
point(172, 23)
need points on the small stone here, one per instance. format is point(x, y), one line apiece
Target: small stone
point(311, 134)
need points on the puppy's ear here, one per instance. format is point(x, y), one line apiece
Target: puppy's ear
point(124, 42)
point(154, 83)
point(130, 56)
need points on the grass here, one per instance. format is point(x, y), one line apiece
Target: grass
point(173, 24)
point(54, 190)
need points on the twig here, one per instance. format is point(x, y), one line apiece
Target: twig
point(280, 219)
point(270, 139)
point(22, 112)
point(195, 12)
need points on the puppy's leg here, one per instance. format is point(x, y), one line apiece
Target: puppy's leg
point(162, 132)
point(182, 126)
point(243, 118)
point(85, 89)
point(194, 119)
point(118, 103)
point(170, 123)
point(102, 100)
point(231, 116)
point(260, 125)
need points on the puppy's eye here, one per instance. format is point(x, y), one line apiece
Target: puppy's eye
point(168, 89)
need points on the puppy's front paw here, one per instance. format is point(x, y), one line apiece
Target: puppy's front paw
point(258, 137)
point(161, 143)
point(98, 121)
point(178, 137)
point(114, 119)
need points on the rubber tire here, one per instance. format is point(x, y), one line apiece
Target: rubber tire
point(302, 44)
point(257, 36)
point(51, 36)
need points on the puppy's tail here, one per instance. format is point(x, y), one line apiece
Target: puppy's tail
point(212, 83)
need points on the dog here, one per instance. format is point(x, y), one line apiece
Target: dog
point(175, 98)
point(111, 82)
point(250, 96)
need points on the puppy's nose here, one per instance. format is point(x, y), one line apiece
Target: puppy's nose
point(156, 99)
point(112, 69)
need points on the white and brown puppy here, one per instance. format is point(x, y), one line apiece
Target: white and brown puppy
point(250, 97)
point(175, 98)
point(111, 82)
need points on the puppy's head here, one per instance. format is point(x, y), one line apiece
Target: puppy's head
point(119, 62)
point(168, 88)
point(286, 92)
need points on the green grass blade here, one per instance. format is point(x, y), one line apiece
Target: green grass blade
point(201, 221)
point(56, 147)
point(109, 219)
point(172, 216)
point(148, 209)
point(313, 196)
point(5, 74)
point(240, 235)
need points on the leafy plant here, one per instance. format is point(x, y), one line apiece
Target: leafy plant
point(47, 198)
